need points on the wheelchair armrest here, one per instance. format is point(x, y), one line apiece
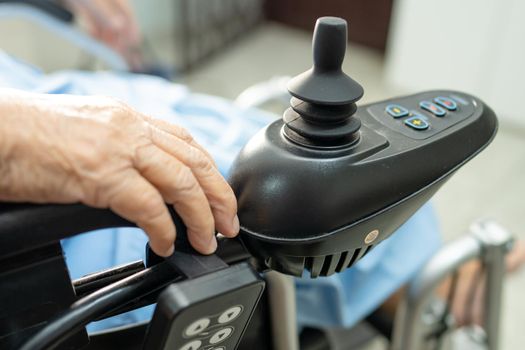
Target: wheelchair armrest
point(24, 227)
point(50, 7)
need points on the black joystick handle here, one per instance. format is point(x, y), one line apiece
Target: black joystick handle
point(324, 97)
point(325, 83)
point(329, 44)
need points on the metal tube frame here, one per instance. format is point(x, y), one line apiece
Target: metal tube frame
point(489, 243)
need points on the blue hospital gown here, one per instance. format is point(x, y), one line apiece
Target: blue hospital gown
point(339, 300)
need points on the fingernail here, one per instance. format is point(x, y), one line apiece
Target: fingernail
point(236, 224)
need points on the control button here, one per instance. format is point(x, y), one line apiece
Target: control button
point(396, 111)
point(417, 122)
point(446, 102)
point(432, 108)
point(197, 327)
point(221, 335)
point(192, 345)
point(230, 314)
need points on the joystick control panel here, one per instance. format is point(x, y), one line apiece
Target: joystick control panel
point(424, 115)
point(210, 312)
point(318, 189)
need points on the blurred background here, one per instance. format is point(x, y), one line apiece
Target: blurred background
point(222, 47)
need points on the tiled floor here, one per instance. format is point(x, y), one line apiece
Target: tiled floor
point(492, 185)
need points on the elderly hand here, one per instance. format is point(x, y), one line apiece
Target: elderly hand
point(100, 152)
point(112, 22)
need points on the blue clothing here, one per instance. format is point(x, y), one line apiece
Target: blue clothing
point(339, 300)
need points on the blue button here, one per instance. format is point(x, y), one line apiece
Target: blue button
point(417, 122)
point(432, 108)
point(396, 111)
point(446, 102)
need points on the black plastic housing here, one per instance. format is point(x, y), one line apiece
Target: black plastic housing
point(323, 209)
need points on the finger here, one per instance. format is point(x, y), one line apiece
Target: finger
point(178, 186)
point(180, 133)
point(108, 20)
point(133, 32)
point(219, 194)
point(126, 31)
point(138, 201)
point(82, 10)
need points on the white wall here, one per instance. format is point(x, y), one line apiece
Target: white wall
point(473, 45)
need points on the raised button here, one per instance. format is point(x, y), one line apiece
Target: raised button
point(221, 335)
point(432, 108)
point(197, 327)
point(192, 345)
point(230, 314)
point(396, 111)
point(446, 102)
point(417, 122)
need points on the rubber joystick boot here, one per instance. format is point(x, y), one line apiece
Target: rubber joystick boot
point(323, 102)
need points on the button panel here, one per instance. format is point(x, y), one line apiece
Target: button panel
point(208, 312)
point(421, 123)
point(446, 102)
point(432, 108)
point(396, 111)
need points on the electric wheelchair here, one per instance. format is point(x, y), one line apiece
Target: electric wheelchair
point(243, 296)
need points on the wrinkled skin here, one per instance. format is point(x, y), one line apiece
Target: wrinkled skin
point(100, 152)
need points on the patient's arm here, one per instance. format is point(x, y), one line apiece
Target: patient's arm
point(100, 152)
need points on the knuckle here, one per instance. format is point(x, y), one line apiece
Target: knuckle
point(93, 157)
point(185, 181)
point(153, 206)
point(199, 161)
point(96, 154)
point(184, 134)
point(120, 113)
point(144, 152)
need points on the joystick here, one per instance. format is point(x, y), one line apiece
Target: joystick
point(324, 97)
point(320, 188)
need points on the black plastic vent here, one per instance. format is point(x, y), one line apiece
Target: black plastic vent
point(329, 264)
